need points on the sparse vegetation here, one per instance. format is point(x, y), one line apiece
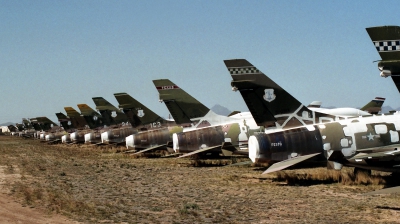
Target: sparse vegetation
point(95, 185)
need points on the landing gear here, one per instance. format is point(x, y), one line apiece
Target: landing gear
point(361, 170)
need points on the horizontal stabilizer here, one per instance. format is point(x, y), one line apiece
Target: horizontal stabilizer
point(151, 148)
point(382, 148)
point(391, 190)
point(200, 150)
point(377, 155)
point(289, 162)
point(171, 155)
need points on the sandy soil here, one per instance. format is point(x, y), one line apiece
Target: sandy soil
point(11, 211)
point(98, 185)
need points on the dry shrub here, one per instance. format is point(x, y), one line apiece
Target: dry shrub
point(153, 154)
point(258, 164)
point(208, 163)
point(323, 176)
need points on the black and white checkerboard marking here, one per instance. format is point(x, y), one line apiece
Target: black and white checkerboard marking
point(243, 70)
point(388, 45)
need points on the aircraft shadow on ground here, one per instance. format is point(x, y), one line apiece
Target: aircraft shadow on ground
point(388, 208)
point(308, 179)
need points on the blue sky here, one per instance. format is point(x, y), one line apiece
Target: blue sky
point(62, 53)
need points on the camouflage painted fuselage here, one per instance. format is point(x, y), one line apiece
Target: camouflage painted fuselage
point(152, 138)
point(366, 142)
point(117, 135)
point(236, 133)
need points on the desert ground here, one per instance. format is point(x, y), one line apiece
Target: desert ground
point(41, 183)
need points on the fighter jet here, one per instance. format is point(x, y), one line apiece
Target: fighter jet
point(47, 129)
point(25, 129)
point(372, 107)
point(65, 122)
point(204, 131)
point(95, 122)
point(79, 127)
point(386, 40)
point(364, 142)
point(116, 120)
point(154, 131)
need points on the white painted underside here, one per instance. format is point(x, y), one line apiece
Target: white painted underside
point(344, 111)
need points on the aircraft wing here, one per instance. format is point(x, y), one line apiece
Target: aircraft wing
point(390, 190)
point(151, 148)
point(289, 162)
point(171, 155)
point(377, 155)
point(200, 150)
point(380, 149)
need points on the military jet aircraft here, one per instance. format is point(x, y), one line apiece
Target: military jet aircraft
point(204, 131)
point(79, 127)
point(154, 131)
point(25, 129)
point(45, 127)
point(118, 125)
point(364, 142)
point(65, 122)
point(95, 122)
point(372, 107)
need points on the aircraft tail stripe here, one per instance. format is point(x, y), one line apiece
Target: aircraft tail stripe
point(167, 87)
point(243, 70)
point(389, 45)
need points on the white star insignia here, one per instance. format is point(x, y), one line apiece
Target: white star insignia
point(370, 137)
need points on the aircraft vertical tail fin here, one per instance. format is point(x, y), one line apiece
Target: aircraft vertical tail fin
point(64, 121)
point(269, 103)
point(45, 123)
point(315, 104)
point(92, 118)
point(20, 126)
point(137, 113)
point(35, 124)
point(27, 124)
point(110, 113)
point(77, 120)
point(182, 106)
point(386, 40)
point(374, 106)
point(12, 128)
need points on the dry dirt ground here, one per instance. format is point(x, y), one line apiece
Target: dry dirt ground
point(68, 184)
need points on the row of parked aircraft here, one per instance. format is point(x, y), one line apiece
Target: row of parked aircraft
point(278, 129)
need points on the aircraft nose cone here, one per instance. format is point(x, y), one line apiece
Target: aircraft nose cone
point(130, 141)
point(175, 142)
point(254, 148)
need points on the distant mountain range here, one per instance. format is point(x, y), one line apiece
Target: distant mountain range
point(221, 110)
